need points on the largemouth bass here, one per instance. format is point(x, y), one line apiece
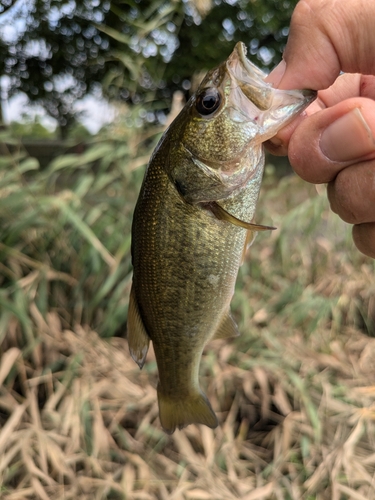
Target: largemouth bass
point(192, 224)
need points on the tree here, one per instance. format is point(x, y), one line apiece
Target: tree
point(131, 50)
point(30, 129)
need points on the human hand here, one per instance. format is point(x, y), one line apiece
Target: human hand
point(334, 140)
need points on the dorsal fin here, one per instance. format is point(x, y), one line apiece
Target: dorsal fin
point(138, 339)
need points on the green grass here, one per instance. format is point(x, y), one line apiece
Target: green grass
point(294, 393)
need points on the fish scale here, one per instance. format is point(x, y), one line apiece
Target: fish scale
point(174, 310)
point(191, 225)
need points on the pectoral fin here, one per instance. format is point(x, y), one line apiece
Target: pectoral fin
point(137, 336)
point(227, 329)
point(222, 214)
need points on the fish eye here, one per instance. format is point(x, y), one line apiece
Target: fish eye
point(208, 101)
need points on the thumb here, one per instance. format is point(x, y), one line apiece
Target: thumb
point(326, 37)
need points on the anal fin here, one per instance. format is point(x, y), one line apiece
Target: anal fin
point(138, 339)
point(227, 329)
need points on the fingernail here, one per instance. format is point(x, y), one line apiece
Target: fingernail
point(348, 138)
point(276, 74)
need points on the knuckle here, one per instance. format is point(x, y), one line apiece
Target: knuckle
point(364, 238)
point(352, 193)
point(343, 198)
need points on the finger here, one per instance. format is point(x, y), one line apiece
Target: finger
point(332, 139)
point(278, 145)
point(352, 195)
point(326, 38)
point(364, 238)
point(345, 87)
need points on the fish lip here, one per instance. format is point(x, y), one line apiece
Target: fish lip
point(256, 73)
point(249, 78)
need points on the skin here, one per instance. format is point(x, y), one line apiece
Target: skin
point(334, 140)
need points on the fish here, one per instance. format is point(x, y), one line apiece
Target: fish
point(192, 225)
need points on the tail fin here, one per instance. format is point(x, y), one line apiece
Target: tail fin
point(194, 409)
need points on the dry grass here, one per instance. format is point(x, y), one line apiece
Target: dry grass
point(295, 394)
point(295, 422)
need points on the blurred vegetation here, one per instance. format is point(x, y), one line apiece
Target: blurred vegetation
point(74, 215)
point(134, 51)
point(78, 419)
point(30, 128)
point(294, 393)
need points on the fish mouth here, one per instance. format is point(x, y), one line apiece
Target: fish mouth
point(250, 78)
point(241, 50)
point(255, 100)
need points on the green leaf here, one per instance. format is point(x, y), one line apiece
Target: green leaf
point(81, 226)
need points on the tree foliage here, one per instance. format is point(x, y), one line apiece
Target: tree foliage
point(130, 49)
point(30, 129)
